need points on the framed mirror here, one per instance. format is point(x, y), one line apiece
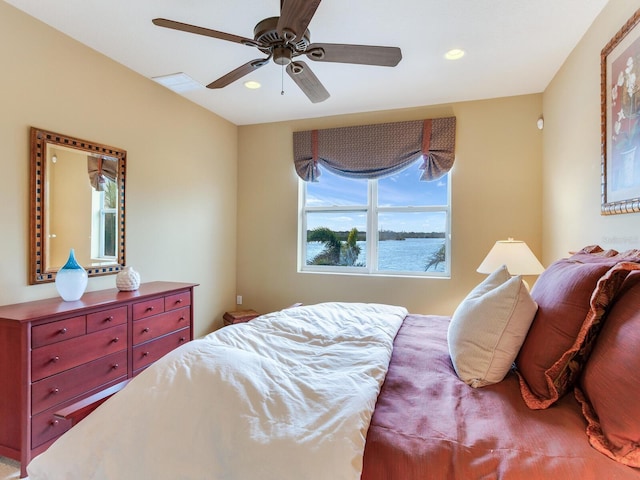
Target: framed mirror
point(77, 202)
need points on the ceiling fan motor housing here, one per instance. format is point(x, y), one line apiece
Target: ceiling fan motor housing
point(281, 47)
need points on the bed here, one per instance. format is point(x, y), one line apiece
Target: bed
point(347, 391)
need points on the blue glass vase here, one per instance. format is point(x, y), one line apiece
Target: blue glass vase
point(71, 279)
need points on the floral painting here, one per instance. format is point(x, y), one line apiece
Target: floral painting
point(621, 122)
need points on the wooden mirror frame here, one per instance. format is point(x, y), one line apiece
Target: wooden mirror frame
point(38, 271)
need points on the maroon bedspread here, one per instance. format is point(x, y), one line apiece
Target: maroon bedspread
point(428, 424)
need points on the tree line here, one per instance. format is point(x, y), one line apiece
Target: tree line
point(344, 252)
point(343, 236)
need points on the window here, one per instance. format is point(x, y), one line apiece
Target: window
point(409, 218)
point(104, 220)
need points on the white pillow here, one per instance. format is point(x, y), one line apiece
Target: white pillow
point(488, 328)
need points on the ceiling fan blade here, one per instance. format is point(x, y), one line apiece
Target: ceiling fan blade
point(360, 54)
point(307, 81)
point(239, 72)
point(295, 16)
point(185, 27)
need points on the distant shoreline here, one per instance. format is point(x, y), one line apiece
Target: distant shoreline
point(387, 235)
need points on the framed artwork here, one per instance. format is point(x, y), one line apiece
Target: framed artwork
point(620, 91)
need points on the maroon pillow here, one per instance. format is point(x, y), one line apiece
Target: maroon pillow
point(596, 251)
point(595, 254)
point(572, 297)
point(609, 388)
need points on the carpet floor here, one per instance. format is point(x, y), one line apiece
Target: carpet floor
point(9, 469)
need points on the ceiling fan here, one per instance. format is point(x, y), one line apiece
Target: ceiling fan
point(285, 38)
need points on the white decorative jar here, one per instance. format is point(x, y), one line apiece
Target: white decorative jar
point(127, 280)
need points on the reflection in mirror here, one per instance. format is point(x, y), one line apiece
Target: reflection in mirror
point(77, 202)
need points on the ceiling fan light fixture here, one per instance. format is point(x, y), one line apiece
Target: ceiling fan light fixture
point(282, 55)
point(252, 84)
point(454, 54)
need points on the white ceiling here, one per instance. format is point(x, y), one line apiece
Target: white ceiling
point(512, 47)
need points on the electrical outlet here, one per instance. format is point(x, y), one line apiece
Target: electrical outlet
point(239, 300)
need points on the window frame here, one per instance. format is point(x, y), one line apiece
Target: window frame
point(98, 221)
point(104, 211)
point(372, 211)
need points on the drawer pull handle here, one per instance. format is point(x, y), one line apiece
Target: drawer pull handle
point(114, 366)
point(54, 390)
point(182, 339)
point(145, 354)
point(62, 331)
point(181, 319)
point(54, 423)
point(109, 319)
point(178, 301)
point(145, 330)
point(115, 340)
point(55, 359)
point(149, 309)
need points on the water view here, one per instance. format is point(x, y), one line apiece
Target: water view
point(409, 255)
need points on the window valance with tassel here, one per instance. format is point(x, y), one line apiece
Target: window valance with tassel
point(100, 169)
point(373, 151)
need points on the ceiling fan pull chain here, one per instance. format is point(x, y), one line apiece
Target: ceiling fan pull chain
point(282, 79)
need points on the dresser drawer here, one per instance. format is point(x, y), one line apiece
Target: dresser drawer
point(46, 426)
point(149, 352)
point(57, 331)
point(61, 356)
point(178, 300)
point(158, 325)
point(74, 382)
point(106, 318)
point(148, 308)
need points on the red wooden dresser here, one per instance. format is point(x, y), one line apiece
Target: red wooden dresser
point(55, 354)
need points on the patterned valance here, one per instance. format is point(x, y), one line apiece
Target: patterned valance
point(101, 169)
point(373, 151)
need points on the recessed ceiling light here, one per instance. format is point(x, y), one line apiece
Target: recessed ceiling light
point(252, 84)
point(178, 82)
point(454, 54)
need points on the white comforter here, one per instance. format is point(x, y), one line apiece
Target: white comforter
point(286, 396)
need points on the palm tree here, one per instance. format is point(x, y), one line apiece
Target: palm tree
point(110, 194)
point(331, 253)
point(351, 250)
point(436, 259)
point(335, 252)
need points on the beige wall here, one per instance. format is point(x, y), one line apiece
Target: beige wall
point(571, 105)
point(496, 193)
point(509, 180)
point(181, 168)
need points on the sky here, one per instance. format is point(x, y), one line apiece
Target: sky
point(401, 189)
